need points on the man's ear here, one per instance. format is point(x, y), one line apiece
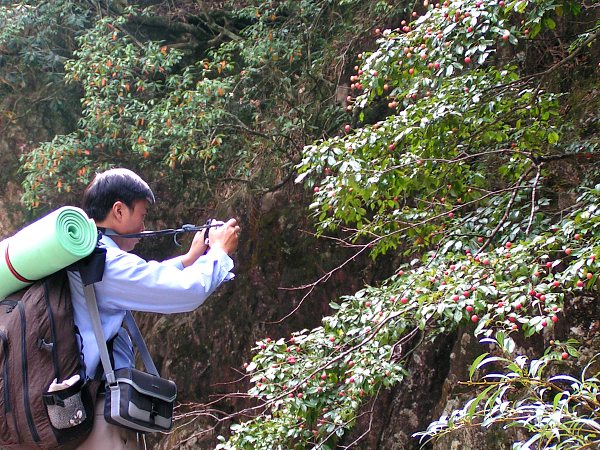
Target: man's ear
point(117, 210)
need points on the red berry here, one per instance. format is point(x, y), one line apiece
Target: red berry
point(467, 60)
point(564, 355)
point(474, 318)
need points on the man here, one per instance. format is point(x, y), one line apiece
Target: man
point(118, 200)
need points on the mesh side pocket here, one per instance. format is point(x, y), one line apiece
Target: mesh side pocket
point(65, 406)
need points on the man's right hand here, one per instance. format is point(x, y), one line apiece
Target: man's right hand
point(225, 237)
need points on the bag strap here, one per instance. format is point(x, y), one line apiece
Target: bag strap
point(140, 344)
point(92, 304)
point(90, 300)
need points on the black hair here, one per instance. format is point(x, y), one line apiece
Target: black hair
point(111, 186)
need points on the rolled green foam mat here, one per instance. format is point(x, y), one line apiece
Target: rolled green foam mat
point(51, 243)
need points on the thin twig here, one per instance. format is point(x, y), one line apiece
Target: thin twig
point(506, 211)
point(533, 195)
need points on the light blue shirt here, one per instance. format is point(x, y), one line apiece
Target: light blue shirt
point(131, 283)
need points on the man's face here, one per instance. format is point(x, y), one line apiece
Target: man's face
point(133, 222)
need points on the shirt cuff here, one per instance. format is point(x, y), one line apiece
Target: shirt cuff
point(223, 259)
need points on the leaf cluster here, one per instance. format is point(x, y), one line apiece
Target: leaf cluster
point(455, 177)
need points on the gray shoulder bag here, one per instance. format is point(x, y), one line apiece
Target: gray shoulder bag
point(140, 401)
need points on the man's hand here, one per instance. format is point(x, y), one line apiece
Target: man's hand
point(197, 249)
point(225, 237)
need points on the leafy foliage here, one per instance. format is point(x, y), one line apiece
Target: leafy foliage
point(559, 411)
point(458, 177)
point(314, 382)
point(36, 38)
point(136, 109)
point(243, 107)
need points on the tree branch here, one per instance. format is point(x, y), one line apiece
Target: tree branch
point(506, 211)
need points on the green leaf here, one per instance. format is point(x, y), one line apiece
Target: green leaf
point(473, 404)
point(553, 137)
point(475, 365)
point(550, 23)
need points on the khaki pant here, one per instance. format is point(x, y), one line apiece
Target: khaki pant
point(106, 436)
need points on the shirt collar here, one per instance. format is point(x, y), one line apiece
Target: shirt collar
point(108, 242)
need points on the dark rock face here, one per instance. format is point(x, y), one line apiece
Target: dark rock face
point(407, 408)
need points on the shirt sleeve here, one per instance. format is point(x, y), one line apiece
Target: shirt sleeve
point(132, 283)
point(175, 262)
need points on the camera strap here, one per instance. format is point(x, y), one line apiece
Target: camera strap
point(187, 228)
